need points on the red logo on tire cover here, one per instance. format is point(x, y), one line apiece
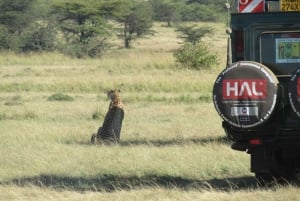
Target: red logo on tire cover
point(247, 89)
point(298, 86)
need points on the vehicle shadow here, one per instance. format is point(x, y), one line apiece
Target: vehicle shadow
point(111, 183)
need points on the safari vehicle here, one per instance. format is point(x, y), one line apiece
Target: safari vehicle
point(258, 93)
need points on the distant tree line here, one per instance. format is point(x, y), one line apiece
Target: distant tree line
point(83, 27)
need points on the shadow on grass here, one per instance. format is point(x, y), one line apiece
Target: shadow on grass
point(176, 141)
point(163, 142)
point(112, 183)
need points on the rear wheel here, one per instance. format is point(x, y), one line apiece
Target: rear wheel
point(271, 167)
point(265, 179)
point(273, 177)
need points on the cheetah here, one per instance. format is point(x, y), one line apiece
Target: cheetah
point(109, 132)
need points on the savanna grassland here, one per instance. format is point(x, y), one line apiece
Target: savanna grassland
point(172, 144)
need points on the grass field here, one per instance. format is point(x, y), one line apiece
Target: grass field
point(172, 144)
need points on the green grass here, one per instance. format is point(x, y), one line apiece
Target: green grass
point(172, 143)
point(60, 97)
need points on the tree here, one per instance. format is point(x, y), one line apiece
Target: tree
point(15, 14)
point(193, 34)
point(15, 17)
point(170, 11)
point(85, 29)
point(167, 10)
point(135, 18)
point(4, 40)
point(204, 10)
point(39, 37)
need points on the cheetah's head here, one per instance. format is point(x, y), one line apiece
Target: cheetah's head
point(113, 94)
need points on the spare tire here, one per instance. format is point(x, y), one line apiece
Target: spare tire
point(294, 92)
point(245, 94)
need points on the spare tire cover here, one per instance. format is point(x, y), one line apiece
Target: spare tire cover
point(245, 94)
point(294, 92)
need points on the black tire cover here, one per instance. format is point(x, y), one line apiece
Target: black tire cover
point(245, 94)
point(294, 92)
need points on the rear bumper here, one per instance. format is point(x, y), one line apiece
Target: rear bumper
point(247, 139)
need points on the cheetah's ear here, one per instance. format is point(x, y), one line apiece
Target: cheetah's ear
point(119, 90)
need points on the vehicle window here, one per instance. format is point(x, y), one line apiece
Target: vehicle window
point(280, 51)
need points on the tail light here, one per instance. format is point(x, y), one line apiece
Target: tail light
point(255, 142)
point(239, 45)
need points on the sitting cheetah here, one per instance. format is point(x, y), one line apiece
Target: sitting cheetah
point(110, 130)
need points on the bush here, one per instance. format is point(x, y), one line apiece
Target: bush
point(195, 56)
